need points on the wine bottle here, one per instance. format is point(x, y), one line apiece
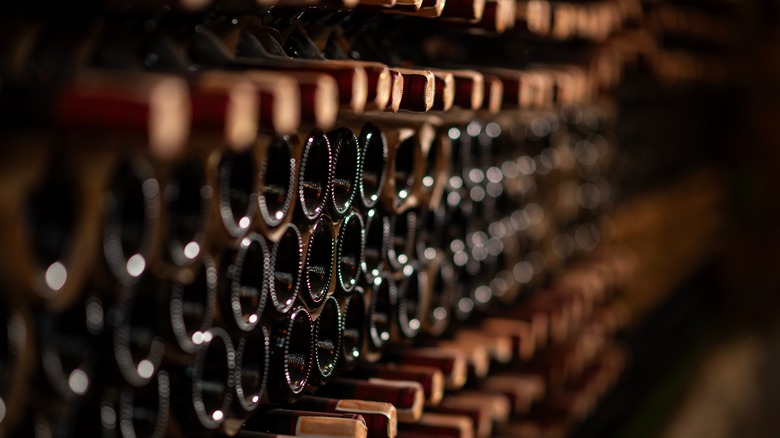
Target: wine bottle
point(187, 198)
point(445, 425)
point(452, 363)
point(373, 155)
point(69, 357)
point(148, 109)
point(314, 176)
point(441, 279)
point(282, 96)
point(346, 172)
point(131, 218)
point(290, 356)
point(408, 5)
point(245, 276)
point(418, 8)
point(522, 391)
point(403, 229)
point(381, 418)
point(137, 346)
point(202, 391)
point(444, 89)
point(499, 346)
point(407, 397)
point(494, 94)
point(377, 243)
point(354, 311)
point(536, 15)
point(16, 360)
point(499, 405)
point(318, 262)
point(477, 355)
point(328, 332)
point(350, 244)
point(286, 266)
point(56, 235)
point(404, 171)
point(479, 414)
point(436, 149)
point(277, 172)
point(470, 10)
point(413, 299)
point(251, 372)
point(384, 297)
point(237, 187)
point(432, 238)
point(191, 307)
point(139, 411)
point(521, 333)
point(309, 424)
point(224, 110)
point(419, 89)
point(319, 99)
point(431, 379)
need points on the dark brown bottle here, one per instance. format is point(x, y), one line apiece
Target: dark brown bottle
point(253, 352)
point(286, 266)
point(407, 397)
point(237, 187)
point(137, 346)
point(306, 423)
point(202, 391)
point(402, 239)
point(276, 182)
point(462, 300)
point(436, 148)
point(314, 176)
point(290, 356)
point(318, 264)
point(346, 172)
point(381, 310)
point(405, 167)
point(412, 300)
point(244, 283)
point(373, 155)
point(354, 311)
point(431, 232)
point(187, 197)
point(58, 228)
point(191, 307)
point(68, 343)
point(377, 243)
point(443, 425)
point(138, 411)
point(431, 379)
point(328, 332)
point(381, 418)
point(350, 243)
point(441, 283)
point(131, 218)
point(419, 89)
point(16, 359)
point(452, 363)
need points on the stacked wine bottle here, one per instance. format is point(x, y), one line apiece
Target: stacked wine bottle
point(260, 219)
